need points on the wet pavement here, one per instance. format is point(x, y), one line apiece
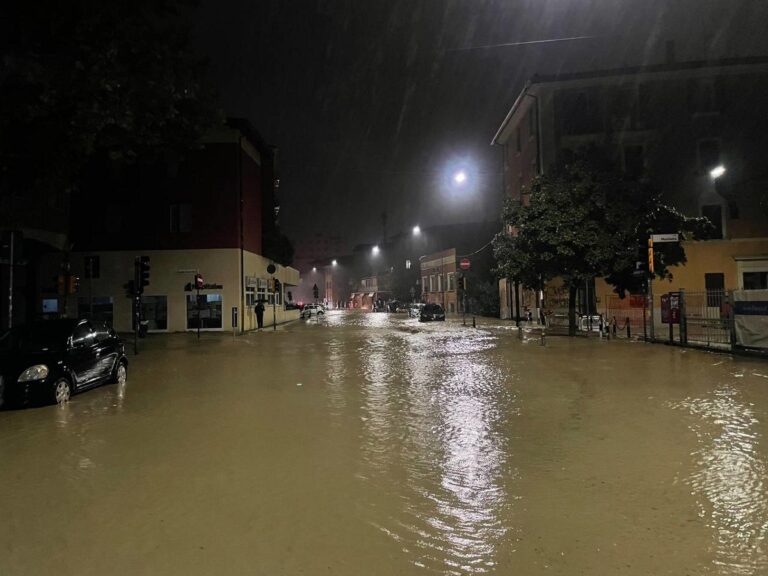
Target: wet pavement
point(372, 444)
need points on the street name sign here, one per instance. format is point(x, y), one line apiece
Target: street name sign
point(665, 238)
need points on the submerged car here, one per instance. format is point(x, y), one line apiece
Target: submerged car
point(414, 310)
point(432, 312)
point(312, 310)
point(52, 360)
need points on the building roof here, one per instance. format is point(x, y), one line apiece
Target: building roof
point(538, 79)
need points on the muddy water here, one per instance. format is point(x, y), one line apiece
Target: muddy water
point(370, 444)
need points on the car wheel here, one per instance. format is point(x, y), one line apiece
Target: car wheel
point(121, 373)
point(62, 391)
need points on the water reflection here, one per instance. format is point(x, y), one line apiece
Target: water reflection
point(436, 426)
point(729, 479)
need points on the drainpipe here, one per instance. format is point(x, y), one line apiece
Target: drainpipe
point(242, 254)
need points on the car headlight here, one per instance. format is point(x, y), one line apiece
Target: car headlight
point(37, 372)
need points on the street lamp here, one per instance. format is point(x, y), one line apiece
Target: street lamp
point(716, 172)
point(375, 250)
point(314, 268)
point(460, 177)
point(416, 230)
point(334, 263)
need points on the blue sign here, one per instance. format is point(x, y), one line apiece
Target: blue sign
point(755, 308)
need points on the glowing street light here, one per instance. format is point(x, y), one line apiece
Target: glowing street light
point(416, 230)
point(314, 268)
point(460, 177)
point(375, 250)
point(334, 263)
point(716, 172)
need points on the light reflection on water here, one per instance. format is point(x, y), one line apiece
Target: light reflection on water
point(434, 426)
point(728, 481)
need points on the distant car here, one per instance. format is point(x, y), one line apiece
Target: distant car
point(310, 310)
point(414, 310)
point(432, 312)
point(54, 359)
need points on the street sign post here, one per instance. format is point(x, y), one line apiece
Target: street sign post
point(660, 238)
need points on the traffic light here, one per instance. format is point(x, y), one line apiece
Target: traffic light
point(73, 284)
point(144, 271)
point(277, 287)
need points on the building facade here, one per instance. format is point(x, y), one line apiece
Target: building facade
point(439, 280)
point(201, 215)
point(697, 129)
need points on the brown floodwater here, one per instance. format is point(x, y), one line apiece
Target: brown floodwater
point(372, 444)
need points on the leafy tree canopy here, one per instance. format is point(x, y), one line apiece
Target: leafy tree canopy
point(85, 77)
point(584, 221)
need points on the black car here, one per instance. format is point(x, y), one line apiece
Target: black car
point(52, 360)
point(431, 312)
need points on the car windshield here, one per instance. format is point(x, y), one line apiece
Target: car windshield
point(432, 308)
point(36, 337)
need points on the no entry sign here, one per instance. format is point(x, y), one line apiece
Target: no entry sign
point(464, 264)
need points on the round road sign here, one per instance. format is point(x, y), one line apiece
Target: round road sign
point(464, 264)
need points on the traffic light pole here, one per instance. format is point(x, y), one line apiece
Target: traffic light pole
point(274, 305)
point(10, 283)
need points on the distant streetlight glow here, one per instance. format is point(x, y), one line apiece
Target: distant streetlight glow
point(716, 172)
point(416, 230)
point(460, 177)
point(334, 263)
point(314, 268)
point(375, 250)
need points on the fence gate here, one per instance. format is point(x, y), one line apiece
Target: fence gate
point(708, 317)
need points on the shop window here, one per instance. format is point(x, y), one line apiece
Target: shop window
point(98, 309)
point(154, 309)
point(755, 280)
point(205, 311)
point(250, 296)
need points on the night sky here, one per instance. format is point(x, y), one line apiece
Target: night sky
point(373, 104)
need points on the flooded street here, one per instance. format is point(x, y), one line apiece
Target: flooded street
point(372, 444)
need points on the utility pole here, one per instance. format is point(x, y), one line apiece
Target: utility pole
point(650, 285)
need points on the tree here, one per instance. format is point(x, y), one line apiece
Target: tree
point(84, 78)
point(582, 222)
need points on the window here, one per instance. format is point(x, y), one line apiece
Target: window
point(634, 161)
point(154, 309)
point(531, 124)
point(709, 154)
point(98, 308)
point(205, 311)
point(439, 282)
point(407, 264)
point(714, 284)
point(452, 307)
point(50, 305)
point(181, 217)
point(423, 283)
point(91, 265)
point(451, 281)
point(714, 213)
point(432, 283)
point(703, 97)
point(261, 286)
point(755, 280)
point(579, 113)
point(250, 295)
